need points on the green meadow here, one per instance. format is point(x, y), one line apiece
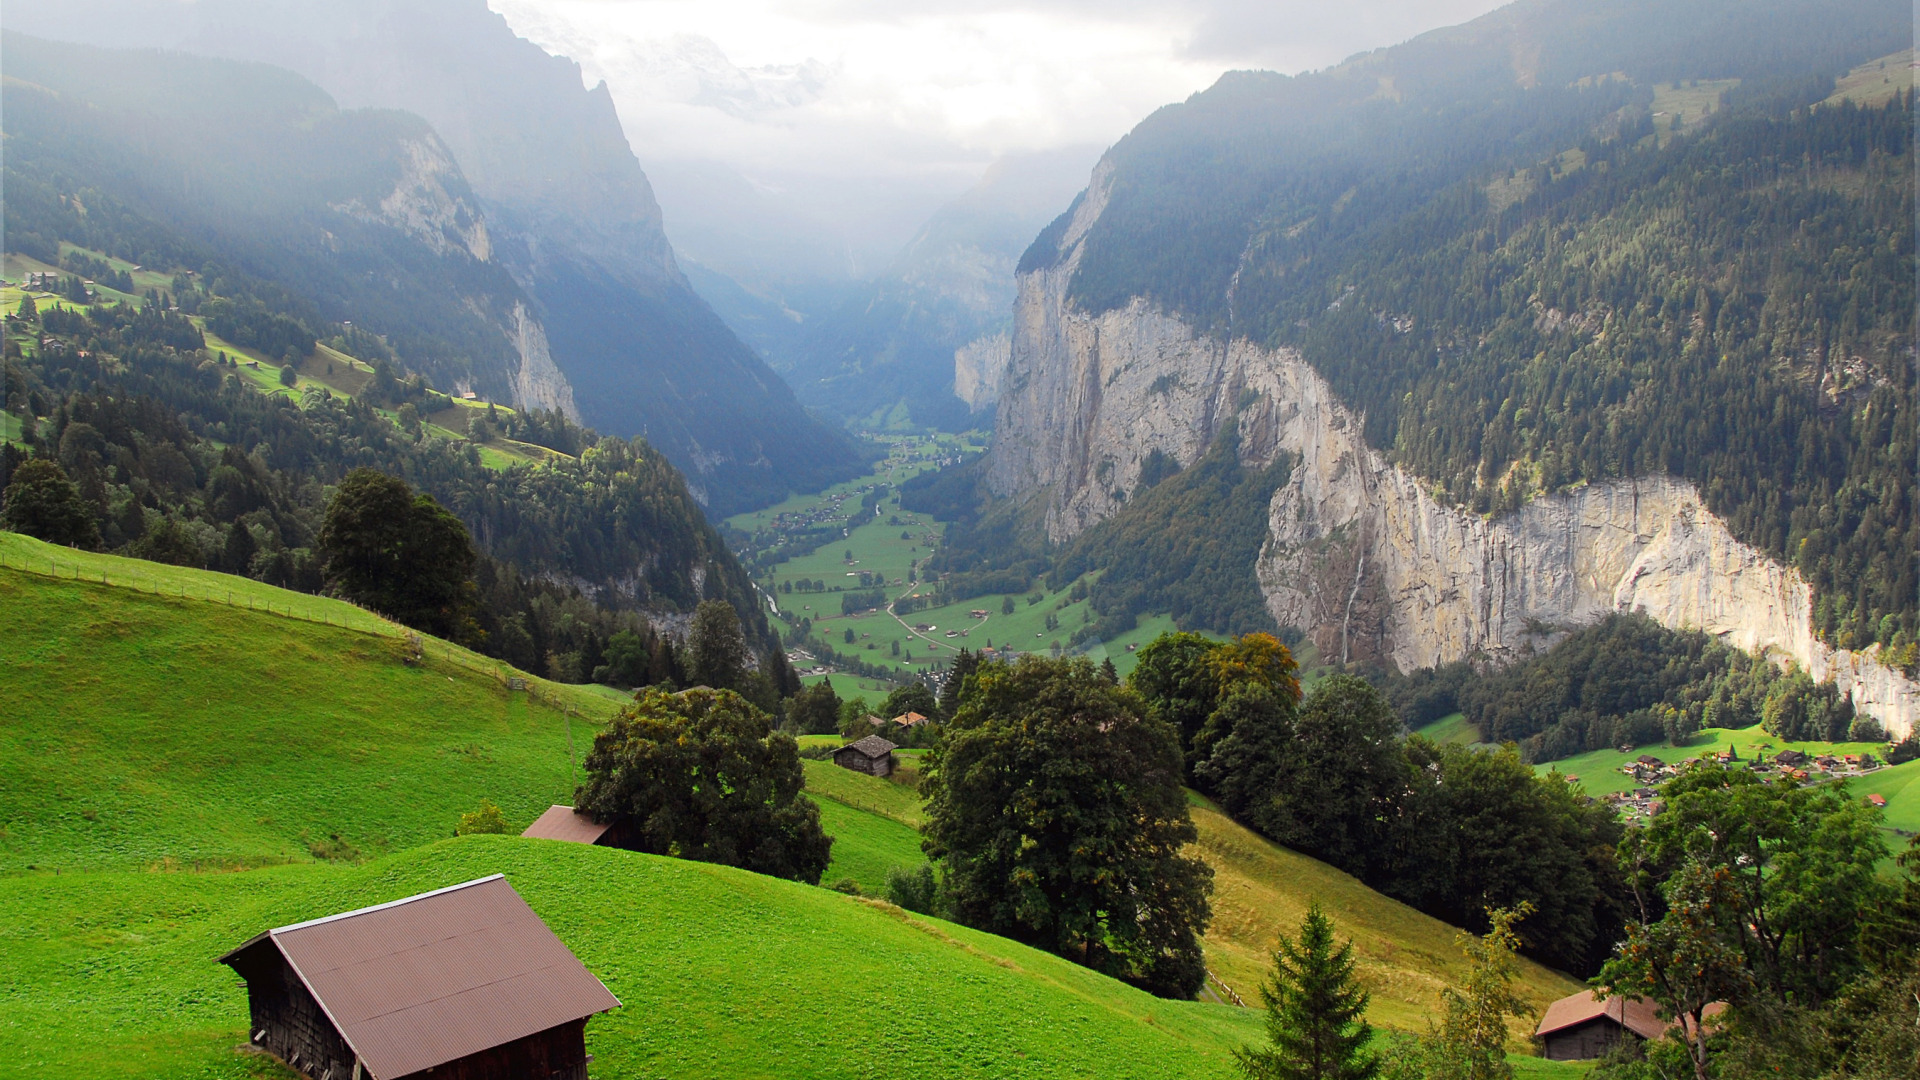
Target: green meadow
point(1598, 771)
point(179, 770)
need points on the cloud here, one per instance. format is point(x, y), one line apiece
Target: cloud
point(920, 95)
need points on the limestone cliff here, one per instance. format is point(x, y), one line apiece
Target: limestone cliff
point(978, 368)
point(538, 384)
point(1359, 554)
point(430, 202)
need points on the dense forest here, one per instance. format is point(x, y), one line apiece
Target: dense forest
point(1627, 681)
point(1184, 544)
point(1654, 250)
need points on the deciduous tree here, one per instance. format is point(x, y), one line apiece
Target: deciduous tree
point(703, 775)
point(1057, 806)
point(43, 503)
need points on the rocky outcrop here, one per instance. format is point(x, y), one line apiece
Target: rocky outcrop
point(1359, 553)
point(978, 367)
point(538, 384)
point(429, 202)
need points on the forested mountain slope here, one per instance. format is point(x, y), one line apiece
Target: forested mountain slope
point(570, 214)
point(268, 226)
point(1574, 307)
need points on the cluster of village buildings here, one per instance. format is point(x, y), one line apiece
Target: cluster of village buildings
point(1650, 772)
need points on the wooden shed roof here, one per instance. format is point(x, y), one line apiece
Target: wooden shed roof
point(872, 746)
point(566, 823)
point(426, 980)
point(1638, 1015)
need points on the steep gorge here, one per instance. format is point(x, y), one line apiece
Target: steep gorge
point(1360, 554)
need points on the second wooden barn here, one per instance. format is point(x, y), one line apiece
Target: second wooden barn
point(463, 983)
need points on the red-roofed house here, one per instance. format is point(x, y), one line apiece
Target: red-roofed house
point(1583, 1026)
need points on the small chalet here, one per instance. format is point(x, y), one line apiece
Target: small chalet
point(872, 755)
point(1877, 799)
point(566, 823)
point(1582, 1026)
point(1790, 757)
point(909, 720)
point(464, 982)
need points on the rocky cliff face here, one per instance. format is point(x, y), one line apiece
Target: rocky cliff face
point(1359, 554)
point(538, 384)
point(429, 202)
point(978, 368)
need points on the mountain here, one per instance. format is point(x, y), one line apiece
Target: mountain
point(1573, 308)
point(930, 334)
point(571, 218)
point(269, 267)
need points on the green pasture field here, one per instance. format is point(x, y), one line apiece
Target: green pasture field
point(1876, 81)
point(144, 730)
point(1451, 728)
point(1260, 891)
point(720, 972)
point(177, 772)
point(1599, 770)
point(1678, 108)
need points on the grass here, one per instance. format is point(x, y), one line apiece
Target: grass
point(1451, 728)
point(1876, 81)
point(151, 741)
point(720, 972)
point(1598, 771)
point(146, 729)
point(1261, 890)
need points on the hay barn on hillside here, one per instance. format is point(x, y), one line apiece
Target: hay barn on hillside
point(462, 983)
point(566, 823)
point(872, 755)
point(1581, 1026)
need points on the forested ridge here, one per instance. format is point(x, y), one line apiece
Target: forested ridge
point(1645, 247)
point(179, 458)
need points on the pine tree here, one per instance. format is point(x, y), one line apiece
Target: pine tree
point(1316, 1011)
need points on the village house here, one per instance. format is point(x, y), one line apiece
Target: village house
point(872, 755)
point(909, 720)
point(566, 823)
point(1581, 1026)
point(464, 982)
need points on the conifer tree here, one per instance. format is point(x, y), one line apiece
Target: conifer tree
point(1316, 1011)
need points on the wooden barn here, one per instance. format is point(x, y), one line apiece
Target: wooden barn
point(872, 755)
point(1582, 1026)
point(462, 983)
point(566, 823)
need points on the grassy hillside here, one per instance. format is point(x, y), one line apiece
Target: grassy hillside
point(142, 727)
point(1260, 891)
point(721, 972)
point(157, 735)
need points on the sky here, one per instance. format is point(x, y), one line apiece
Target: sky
point(882, 109)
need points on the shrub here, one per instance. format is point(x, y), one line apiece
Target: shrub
point(487, 819)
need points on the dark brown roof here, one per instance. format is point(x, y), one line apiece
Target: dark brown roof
point(422, 981)
point(566, 823)
point(872, 746)
point(1637, 1015)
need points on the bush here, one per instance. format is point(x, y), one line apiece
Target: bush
point(487, 819)
point(916, 890)
point(288, 376)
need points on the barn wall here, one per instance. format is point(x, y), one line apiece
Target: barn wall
point(1589, 1040)
point(296, 1030)
point(558, 1053)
